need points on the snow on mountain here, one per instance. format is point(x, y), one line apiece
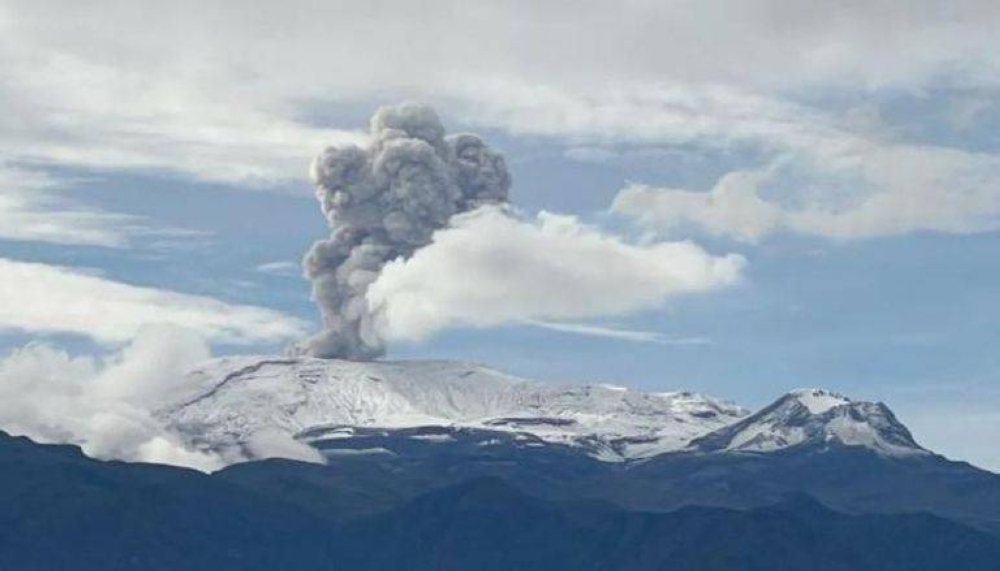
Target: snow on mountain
point(309, 398)
point(818, 401)
point(320, 402)
point(818, 418)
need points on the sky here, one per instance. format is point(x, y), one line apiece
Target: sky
point(737, 198)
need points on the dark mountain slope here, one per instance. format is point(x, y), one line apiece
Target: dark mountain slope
point(488, 525)
point(61, 510)
point(849, 479)
point(846, 478)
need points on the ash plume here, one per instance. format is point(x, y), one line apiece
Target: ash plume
point(383, 202)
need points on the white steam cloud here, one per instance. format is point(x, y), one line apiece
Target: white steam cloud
point(384, 202)
point(276, 443)
point(40, 298)
point(104, 405)
point(489, 268)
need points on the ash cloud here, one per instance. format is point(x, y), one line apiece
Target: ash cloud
point(384, 201)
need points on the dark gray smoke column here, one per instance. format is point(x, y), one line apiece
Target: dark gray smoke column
point(383, 202)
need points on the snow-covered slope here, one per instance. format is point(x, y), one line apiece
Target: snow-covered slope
point(314, 398)
point(818, 418)
point(342, 406)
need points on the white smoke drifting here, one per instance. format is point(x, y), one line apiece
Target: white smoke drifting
point(489, 268)
point(384, 202)
point(104, 405)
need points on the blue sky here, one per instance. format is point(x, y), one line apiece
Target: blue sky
point(857, 170)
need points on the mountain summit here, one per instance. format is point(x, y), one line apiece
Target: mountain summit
point(814, 418)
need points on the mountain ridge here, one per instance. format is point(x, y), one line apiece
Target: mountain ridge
point(316, 399)
point(817, 418)
point(327, 403)
point(65, 510)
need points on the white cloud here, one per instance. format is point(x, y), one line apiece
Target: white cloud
point(225, 93)
point(281, 268)
point(732, 206)
point(31, 208)
point(489, 268)
point(644, 112)
point(103, 406)
point(276, 443)
point(37, 206)
point(873, 190)
point(637, 336)
point(40, 298)
point(147, 371)
point(73, 97)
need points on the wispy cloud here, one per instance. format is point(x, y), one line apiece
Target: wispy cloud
point(40, 298)
point(281, 268)
point(638, 336)
point(35, 206)
point(228, 103)
point(69, 102)
point(31, 209)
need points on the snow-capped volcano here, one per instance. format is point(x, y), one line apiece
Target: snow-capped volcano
point(346, 406)
point(312, 399)
point(814, 417)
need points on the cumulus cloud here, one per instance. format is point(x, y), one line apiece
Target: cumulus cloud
point(862, 192)
point(490, 268)
point(40, 298)
point(103, 405)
